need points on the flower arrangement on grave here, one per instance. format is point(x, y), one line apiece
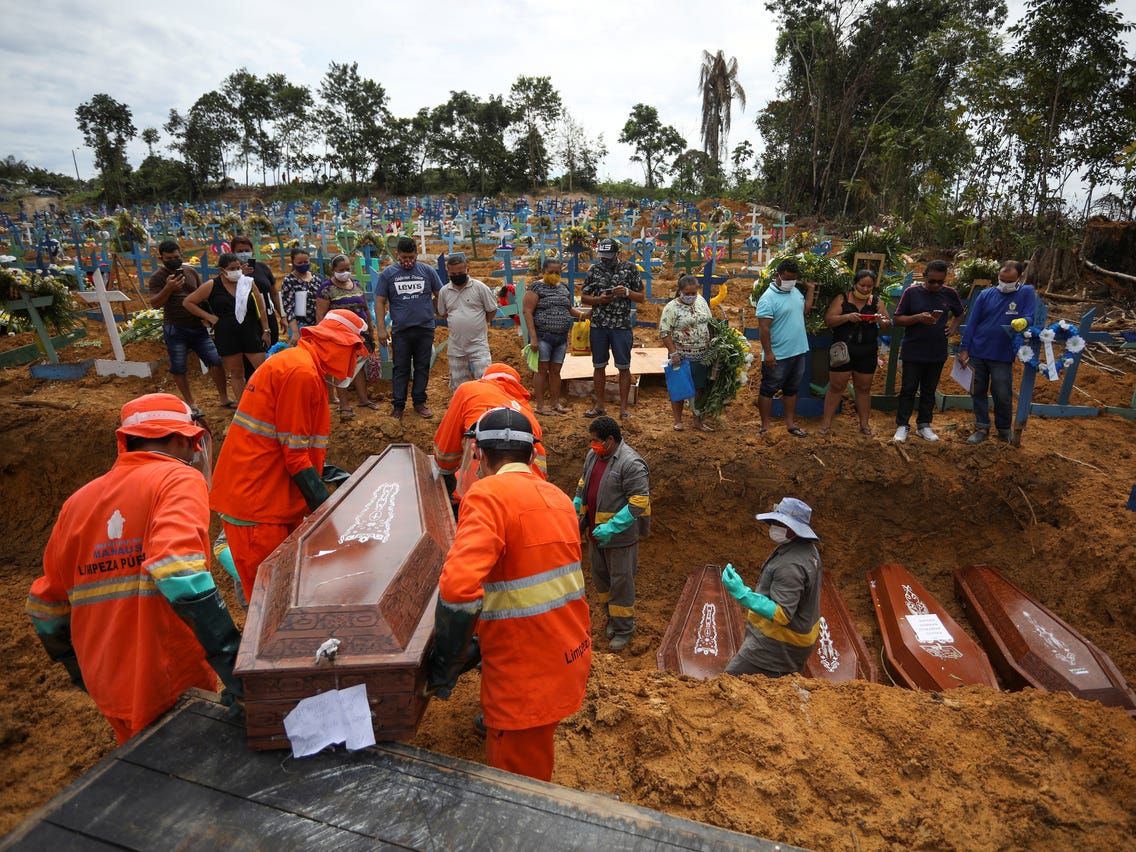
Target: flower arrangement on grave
point(191, 216)
point(369, 238)
point(576, 235)
point(144, 325)
point(730, 358)
point(972, 269)
point(544, 223)
point(830, 274)
point(1032, 342)
point(128, 231)
point(58, 314)
point(259, 222)
point(873, 240)
point(801, 241)
point(720, 216)
point(731, 229)
point(230, 222)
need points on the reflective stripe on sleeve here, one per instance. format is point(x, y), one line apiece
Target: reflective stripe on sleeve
point(139, 585)
point(782, 633)
point(178, 566)
point(286, 439)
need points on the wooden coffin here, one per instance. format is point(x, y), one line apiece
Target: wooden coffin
point(840, 653)
point(363, 569)
point(1030, 646)
point(924, 648)
point(706, 630)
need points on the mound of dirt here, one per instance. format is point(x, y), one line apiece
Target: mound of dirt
point(795, 760)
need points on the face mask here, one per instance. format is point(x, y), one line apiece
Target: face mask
point(407, 263)
point(778, 534)
point(243, 256)
point(459, 279)
point(346, 383)
point(785, 285)
point(1008, 286)
point(302, 268)
point(598, 448)
point(345, 275)
point(172, 265)
point(688, 300)
point(552, 278)
point(233, 274)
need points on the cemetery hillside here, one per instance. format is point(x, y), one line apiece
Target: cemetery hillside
point(973, 681)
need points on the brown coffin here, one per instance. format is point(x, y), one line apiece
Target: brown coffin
point(363, 568)
point(921, 661)
point(1030, 646)
point(840, 653)
point(706, 630)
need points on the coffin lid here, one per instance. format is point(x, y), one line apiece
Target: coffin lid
point(363, 568)
point(923, 660)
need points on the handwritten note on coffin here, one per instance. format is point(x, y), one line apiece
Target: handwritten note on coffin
point(336, 716)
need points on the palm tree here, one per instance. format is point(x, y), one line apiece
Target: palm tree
point(718, 83)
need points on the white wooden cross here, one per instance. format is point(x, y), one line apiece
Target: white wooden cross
point(103, 298)
point(420, 229)
point(754, 225)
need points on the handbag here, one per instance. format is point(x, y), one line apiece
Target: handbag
point(838, 354)
point(680, 381)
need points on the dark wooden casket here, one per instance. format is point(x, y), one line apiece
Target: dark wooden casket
point(708, 628)
point(1030, 646)
point(840, 653)
point(363, 569)
point(930, 662)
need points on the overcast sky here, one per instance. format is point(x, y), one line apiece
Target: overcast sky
point(603, 57)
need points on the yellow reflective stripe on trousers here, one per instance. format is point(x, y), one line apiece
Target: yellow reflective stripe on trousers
point(138, 585)
point(621, 611)
point(603, 597)
point(534, 595)
point(782, 633)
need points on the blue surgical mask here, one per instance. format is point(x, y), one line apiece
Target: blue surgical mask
point(301, 267)
point(243, 256)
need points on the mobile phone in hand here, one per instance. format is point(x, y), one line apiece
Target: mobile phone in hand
point(936, 314)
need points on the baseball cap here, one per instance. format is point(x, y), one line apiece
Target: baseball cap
point(607, 247)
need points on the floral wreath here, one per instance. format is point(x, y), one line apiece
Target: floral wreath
point(1031, 341)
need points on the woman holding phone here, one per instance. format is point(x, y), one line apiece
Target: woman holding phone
point(855, 318)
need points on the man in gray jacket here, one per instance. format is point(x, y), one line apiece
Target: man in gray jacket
point(613, 501)
point(783, 618)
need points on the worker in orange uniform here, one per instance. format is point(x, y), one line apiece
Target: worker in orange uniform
point(126, 601)
point(500, 385)
point(268, 474)
point(513, 575)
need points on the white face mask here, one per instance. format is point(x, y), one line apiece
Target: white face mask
point(785, 285)
point(345, 275)
point(346, 383)
point(1008, 286)
point(233, 274)
point(778, 533)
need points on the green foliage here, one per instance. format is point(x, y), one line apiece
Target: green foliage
point(973, 269)
point(58, 314)
point(831, 275)
point(537, 107)
point(353, 117)
point(731, 358)
point(107, 126)
point(653, 141)
point(872, 240)
point(718, 84)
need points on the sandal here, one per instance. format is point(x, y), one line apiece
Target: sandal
point(347, 414)
point(595, 412)
point(702, 427)
point(543, 412)
point(678, 427)
point(797, 432)
point(869, 431)
point(374, 406)
point(229, 404)
point(560, 409)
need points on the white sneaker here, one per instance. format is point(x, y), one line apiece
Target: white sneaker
point(926, 434)
point(901, 434)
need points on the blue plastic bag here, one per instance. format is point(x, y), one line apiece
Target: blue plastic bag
point(680, 382)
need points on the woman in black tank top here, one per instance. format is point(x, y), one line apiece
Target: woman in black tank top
point(855, 318)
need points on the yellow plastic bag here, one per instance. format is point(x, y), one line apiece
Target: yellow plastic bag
point(579, 338)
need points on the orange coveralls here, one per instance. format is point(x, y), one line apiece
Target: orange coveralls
point(499, 387)
point(281, 428)
point(517, 550)
point(145, 520)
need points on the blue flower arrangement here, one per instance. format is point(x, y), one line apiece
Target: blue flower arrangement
point(1031, 340)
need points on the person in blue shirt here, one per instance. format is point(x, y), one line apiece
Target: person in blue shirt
point(784, 343)
point(989, 350)
point(410, 289)
point(923, 312)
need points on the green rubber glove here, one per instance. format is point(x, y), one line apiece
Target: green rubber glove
point(578, 504)
point(744, 595)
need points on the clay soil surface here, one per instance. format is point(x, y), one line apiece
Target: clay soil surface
point(855, 766)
